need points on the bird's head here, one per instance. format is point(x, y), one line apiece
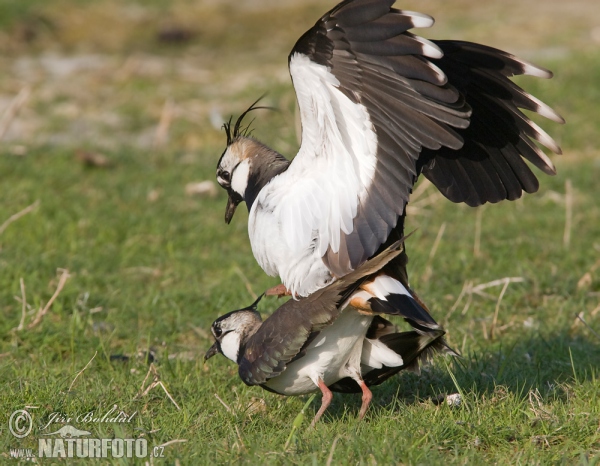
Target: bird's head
point(246, 164)
point(232, 330)
point(234, 167)
point(234, 171)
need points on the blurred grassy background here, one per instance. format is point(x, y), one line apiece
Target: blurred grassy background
point(105, 68)
point(110, 113)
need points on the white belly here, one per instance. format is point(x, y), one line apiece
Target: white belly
point(327, 357)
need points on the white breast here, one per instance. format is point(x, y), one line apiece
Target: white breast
point(298, 264)
point(305, 210)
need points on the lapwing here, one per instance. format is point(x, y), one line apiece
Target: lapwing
point(321, 342)
point(380, 106)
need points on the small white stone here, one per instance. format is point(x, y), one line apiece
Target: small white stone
point(202, 188)
point(529, 323)
point(454, 400)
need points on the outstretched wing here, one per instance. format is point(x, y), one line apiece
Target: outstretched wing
point(490, 166)
point(376, 108)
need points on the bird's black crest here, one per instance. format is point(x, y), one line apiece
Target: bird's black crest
point(238, 130)
point(253, 307)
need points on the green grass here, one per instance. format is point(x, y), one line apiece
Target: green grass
point(151, 267)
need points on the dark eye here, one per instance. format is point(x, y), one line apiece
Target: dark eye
point(217, 331)
point(226, 176)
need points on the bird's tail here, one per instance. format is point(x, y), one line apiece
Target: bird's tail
point(409, 351)
point(386, 295)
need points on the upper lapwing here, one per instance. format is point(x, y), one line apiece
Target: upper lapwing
point(379, 106)
point(322, 343)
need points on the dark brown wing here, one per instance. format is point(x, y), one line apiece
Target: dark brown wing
point(445, 107)
point(282, 336)
point(490, 167)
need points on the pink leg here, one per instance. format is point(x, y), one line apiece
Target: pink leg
point(366, 399)
point(279, 291)
point(325, 402)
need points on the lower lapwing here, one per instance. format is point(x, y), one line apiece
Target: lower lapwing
point(322, 342)
point(380, 106)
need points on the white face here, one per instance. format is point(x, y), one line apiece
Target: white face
point(232, 328)
point(239, 177)
point(230, 345)
point(225, 167)
point(234, 169)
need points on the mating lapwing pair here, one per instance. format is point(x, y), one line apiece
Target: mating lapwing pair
point(379, 106)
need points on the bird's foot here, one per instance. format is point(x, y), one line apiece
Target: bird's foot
point(279, 291)
point(366, 399)
point(325, 402)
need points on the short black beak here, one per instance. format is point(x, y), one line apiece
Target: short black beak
point(232, 204)
point(214, 349)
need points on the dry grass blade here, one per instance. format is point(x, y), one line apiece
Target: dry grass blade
point(169, 395)
point(466, 286)
point(200, 332)
point(467, 304)
point(332, 451)
point(484, 330)
point(239, 272)
point(229, 410)
point(23, 305)
point(479, 288)
point(416, 205)
point(18, 215)
point(469, 290)
point(239, 436)
point(42, 312)
point(13, 109)
point(437, 241)
point(81, 371)
point(429, 200)
point(172, 442)
point(155, 383)
point(497, 310)
point(580, 317)
point(568, 213)
point(434, 248)
point(166, 118)
point(423, 186)
point(537, 406)
point(587, 278)
point(142, 391)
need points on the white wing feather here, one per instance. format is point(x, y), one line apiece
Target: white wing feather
point(335, 164)
point(303, 211)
